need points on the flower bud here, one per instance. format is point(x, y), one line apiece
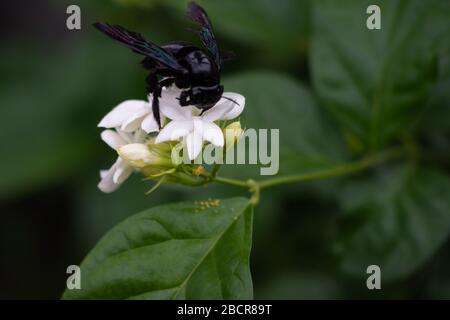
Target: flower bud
point(233, 132)
point(139, 155)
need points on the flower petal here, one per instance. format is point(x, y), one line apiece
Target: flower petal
point(174, 130)
point(106, 183)
point(170, 107)
point(194, 144)
point(112, 138)
point(226, 109)
point(123, 171)
point(139, 136)
point(138, 155)
point(149, 124)
point(122, 113)
point(128, 137)
point(213, 133)
point(218, 111)
point(236, 108)
point(135, 121)
point(103, 173)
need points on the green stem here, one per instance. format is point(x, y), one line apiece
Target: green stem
point(340, 170)
point(230, 181)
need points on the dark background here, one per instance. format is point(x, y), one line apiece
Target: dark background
point(57, 84)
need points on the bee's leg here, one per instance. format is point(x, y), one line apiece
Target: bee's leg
point(167, 82)
point(152, 81)
point(184, 96)
point(155, 104)
point(154, 88)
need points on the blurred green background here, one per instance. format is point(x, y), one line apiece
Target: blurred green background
point(336, 90)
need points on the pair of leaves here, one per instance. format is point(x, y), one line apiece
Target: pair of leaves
point(188, 250)
point(375, 82)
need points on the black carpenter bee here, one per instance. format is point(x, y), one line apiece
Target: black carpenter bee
point(180, 63)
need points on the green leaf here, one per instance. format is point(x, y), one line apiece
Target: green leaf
point(281, 28)
point(187, 250)
point(308, 140)
point(396, 219)
point(375, 82)
point(92, 222)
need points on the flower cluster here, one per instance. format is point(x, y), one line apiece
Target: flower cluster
point(134, 133)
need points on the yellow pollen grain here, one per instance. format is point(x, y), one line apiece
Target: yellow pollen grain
point(198, 171)
point(207, 204)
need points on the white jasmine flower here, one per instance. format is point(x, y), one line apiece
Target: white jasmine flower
point(112, 178)
point(140, 155)
point(233, 133)
point(131, 115)
point(187, 121)
point(137, 154)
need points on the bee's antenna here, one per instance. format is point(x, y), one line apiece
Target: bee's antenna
point(229, 99)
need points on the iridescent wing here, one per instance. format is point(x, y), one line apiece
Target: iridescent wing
point(199, 15)
point(138, 44)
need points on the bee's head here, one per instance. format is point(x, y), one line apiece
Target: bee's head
point(206, 97)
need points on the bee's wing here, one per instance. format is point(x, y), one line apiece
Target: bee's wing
point(199, 15)
point(138, 44)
